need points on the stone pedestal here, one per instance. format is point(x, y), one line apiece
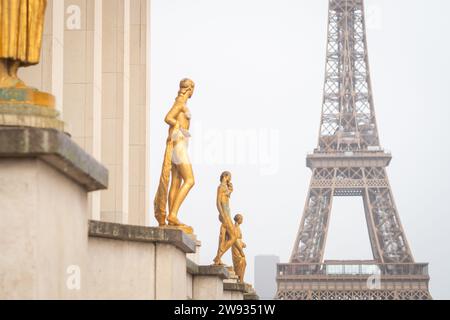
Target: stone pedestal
point(250, 293)
point(30, 116)
point(44, 183)
point(170, 273)
point(233, 291)
point(207, 283)
point(26, 96)
point(233, 278)
point(28, 107)
point(132, 262)
point(195, 257)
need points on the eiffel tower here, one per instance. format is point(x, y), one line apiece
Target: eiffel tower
point(349, 162)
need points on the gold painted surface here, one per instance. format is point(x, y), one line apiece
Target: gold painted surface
point(21, 29)
point(237, 252)
point(43, 99)
point(26, 96)
point(230, 236)
point(177, 168)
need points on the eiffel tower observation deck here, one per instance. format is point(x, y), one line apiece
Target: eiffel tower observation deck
point(350, 162)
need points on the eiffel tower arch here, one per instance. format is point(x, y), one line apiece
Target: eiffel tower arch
point(349, 162)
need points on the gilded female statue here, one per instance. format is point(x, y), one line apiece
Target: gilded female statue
point(176, 166)
point(21, 29)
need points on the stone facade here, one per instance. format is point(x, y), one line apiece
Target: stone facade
point(94, 60)
point(51, 250)
point(44, 182)
point(73, 228)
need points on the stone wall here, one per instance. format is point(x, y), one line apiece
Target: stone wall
point(40, 234)
point(44, 182)
point(159, 265)
point(131, 262)
point(94, 60)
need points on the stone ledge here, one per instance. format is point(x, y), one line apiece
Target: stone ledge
point(250, 293)
point(192, 267)
point(115, 231)
point(251, 296)
point(213, 271)
point(208, 271)
point(239, 287)
point(56, 149)
point(219, 271)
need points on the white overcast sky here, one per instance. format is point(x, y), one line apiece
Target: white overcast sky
point(259, 70)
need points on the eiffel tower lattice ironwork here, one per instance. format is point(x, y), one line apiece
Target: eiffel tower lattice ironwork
point(350, 162)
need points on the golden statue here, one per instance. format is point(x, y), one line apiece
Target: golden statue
point(239, 261)
point(176, 166)
point(21, 28)
point(228, 236)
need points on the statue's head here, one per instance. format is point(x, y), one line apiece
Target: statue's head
point(225, 177)
point(239, 218)
point(187, 87)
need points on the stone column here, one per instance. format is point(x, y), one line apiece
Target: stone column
point(139, 114)
point(70, 68)
point(125, 110)
point(47, 76)
point(94, 60)
point(82, 81)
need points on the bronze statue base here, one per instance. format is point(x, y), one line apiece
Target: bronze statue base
point(26, 96)
point(28, 107)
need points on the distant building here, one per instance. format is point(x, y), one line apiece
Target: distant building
point(265, 276)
